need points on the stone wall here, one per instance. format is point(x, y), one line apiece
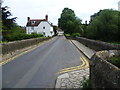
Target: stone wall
point(96, 45)
point(102, 73)
point(17, 45)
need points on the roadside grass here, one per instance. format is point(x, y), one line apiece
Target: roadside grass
point(86, 84)
point(115, 61)
point(3, 41)
point(111, 42)
point(67, 34)
point(114, 42)
point(42, 37)
point(75, 34)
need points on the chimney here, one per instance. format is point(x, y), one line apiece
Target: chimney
point(46, 17)
point(28, 18)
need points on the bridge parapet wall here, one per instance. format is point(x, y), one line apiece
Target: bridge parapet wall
point(17, 45)
point(103, 74)
point(96, 45)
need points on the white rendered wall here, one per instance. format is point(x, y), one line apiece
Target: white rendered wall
point(48, 30)
point(29, 30)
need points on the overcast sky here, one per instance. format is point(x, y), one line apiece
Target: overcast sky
point(37, 9)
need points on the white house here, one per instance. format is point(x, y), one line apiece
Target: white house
point(39, 26)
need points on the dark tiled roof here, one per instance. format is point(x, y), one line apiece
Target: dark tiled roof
point(36, 22)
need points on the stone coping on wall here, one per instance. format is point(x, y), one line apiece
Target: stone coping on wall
point(16, 45)
point(108, 53)
point(94, 44)
point(103, 74)
point(14, 48)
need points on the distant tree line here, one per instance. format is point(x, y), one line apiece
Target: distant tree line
point(104, 25)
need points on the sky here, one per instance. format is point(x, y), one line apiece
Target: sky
point(37, 9)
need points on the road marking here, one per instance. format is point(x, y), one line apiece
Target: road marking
point(84, 65)
point(87, 64)
point(13, 58)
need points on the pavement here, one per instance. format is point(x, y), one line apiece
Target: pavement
point(74, 79)
point(85, 50)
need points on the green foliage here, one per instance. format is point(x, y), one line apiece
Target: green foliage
point(21, 36)
point(3, 41)
point(83, 29)
point(105, 26)
point(115, 61)
point(114, 42)
point(67, 34)
point(69, 22)
point(86, 84)
point(11, 31)
point(55, 28)
point(75, 34)
point(7, 22)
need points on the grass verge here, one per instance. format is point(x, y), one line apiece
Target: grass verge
point(86, 84)
point(115, 61)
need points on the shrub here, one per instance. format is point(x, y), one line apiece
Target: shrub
point(115, 61)
point(75, 34)
point(21, 36)
point(86, 84)
point(67, 34)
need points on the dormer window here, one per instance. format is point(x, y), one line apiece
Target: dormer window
point(33, 22)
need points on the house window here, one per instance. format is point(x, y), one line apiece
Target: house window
point(43, 27)
point(32, 28)
point(33, 22)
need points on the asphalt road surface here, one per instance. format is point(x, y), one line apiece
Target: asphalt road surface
point(38, 68)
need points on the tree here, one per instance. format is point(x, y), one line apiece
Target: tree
point(105, 26)
point(7, 22)
point(69, 22)
point(55, 30)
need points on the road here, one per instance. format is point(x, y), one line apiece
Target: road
point(38, 68)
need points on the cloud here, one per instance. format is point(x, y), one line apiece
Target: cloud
point(39, 8)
